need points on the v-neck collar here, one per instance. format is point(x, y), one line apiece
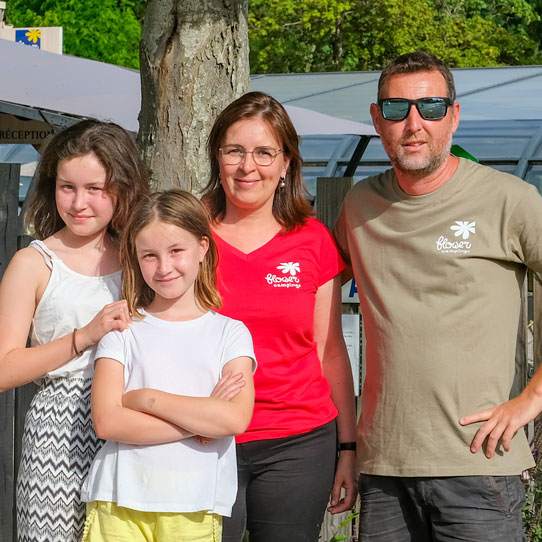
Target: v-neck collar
point(253, 253)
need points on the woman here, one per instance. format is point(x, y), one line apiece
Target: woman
point(279, 273)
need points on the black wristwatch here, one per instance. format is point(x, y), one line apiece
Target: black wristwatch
point(343, 446)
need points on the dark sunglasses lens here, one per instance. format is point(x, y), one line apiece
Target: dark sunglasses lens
point(395, 109)
point(432, 109)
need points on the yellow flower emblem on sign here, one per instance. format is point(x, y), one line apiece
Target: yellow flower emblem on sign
point(33, 35)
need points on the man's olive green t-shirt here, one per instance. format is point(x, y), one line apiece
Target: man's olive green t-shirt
point(439, 279)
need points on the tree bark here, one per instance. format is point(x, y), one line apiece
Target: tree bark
point(194, 61)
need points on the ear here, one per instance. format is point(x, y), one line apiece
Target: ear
point(376, 116)
point(456, 110)
point(203, 248)
point(286, 165)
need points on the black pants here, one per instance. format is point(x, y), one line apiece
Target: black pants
point(284, 487)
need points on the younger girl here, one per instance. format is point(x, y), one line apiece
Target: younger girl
point(65, 287)
point(151, 480)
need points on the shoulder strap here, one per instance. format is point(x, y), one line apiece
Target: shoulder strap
point(48, 254)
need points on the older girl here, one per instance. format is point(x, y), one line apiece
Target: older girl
point(64, 290)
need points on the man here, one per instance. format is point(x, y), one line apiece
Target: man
point(439, 247)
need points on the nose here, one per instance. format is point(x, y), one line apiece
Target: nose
point(247, 164)
point(413, 122)
point(164, 266)
point(79, 199)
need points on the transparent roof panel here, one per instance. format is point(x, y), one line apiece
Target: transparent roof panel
point(318, 148)
point(375, 151)
point(351, 102)
point(18, 153)
point(513, 101)
point(497, 148)
point(468, 80)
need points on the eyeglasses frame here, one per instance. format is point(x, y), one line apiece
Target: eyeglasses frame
point(244, 153)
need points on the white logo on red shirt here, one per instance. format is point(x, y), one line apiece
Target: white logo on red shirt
point(291, 281)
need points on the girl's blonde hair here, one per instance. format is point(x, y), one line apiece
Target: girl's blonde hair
point(185, 211)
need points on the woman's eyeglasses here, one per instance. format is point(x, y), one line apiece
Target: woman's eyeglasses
point(428, 108)
point(235, 154)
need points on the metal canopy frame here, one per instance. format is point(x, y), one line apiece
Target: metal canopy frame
point(55, 119)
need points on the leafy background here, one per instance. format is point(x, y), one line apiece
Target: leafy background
point(317, 35)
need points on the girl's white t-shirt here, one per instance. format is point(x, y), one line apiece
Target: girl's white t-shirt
point(184, 358)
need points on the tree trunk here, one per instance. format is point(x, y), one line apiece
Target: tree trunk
point(194, 61)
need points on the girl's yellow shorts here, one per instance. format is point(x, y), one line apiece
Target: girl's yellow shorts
point(107, 522)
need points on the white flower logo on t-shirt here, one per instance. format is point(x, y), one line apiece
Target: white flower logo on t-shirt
point(463, 228)
point(289, 267)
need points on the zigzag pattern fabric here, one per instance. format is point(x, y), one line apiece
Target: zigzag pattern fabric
point(59, 444)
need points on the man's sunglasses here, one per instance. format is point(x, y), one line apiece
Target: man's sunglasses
point(428, 108)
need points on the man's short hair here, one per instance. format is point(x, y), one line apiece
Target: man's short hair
point(420, 61)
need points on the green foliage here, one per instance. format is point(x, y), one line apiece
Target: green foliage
point(317, 35)
point(338, 537)
point(532, 511)
point(108, 31)
point(327, 35)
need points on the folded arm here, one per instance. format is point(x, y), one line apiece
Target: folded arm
point(207, 416)
point(113, 421)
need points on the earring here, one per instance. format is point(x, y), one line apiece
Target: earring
point(282, 184)
point(219, 179)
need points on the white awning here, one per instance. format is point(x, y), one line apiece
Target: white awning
point(68, 85)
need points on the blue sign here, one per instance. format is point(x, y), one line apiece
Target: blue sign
point(350, 292)
point(29, 36)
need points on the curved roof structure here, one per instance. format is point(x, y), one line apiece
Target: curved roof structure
point(501, 108)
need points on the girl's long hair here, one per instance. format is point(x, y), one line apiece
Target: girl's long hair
point(185, 211)
point(126, 174)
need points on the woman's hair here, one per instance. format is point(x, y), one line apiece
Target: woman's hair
point(290, 206)
point(126, 174)
point(185, 211)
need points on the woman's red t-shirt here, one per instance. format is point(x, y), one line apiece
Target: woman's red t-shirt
point(272, 290)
